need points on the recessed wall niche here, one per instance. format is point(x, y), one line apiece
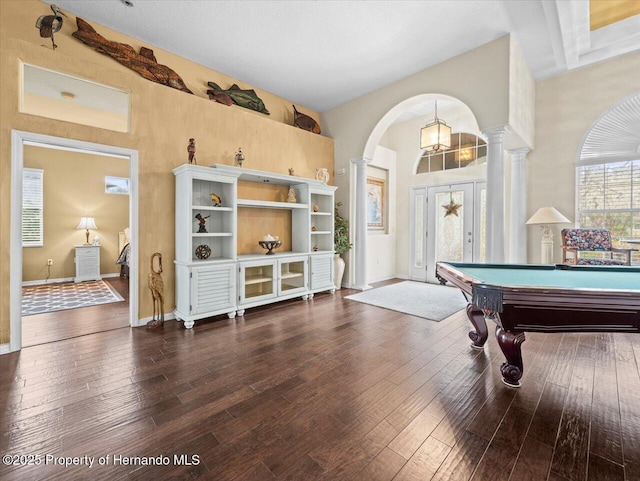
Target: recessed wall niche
point(50, 94)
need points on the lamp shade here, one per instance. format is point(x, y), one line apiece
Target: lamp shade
point(87, 223)
point(548, 215)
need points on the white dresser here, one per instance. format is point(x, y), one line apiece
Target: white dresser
point(87, 263)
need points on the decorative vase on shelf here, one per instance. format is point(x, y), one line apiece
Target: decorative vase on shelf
point(322, 175)
point(338, 270)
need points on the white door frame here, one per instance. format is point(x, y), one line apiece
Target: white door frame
point(414, 273)
point(18, 139)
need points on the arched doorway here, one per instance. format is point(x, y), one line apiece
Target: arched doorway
point(409, 115)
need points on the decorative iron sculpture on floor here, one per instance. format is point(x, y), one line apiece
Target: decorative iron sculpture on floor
point(156, 285)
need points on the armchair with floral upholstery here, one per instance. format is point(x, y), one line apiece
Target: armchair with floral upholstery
point(576, 241)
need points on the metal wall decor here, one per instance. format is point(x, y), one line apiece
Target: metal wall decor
point(305, 122)
point(50, 24)
point(246, 98)
point(144, 63)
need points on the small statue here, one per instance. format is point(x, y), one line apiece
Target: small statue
point(291, 196)
point(291, 171)
point(322, 175)
point(191, 148)
point(239, 157)
point(156, 285)
point(217, 201)
point(202, 229)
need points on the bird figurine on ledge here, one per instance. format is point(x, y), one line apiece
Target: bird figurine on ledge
point(50, 24)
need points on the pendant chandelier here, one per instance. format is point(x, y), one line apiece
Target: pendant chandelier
point(435, 136)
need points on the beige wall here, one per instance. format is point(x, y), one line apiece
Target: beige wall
point(566, 106)
point(74, 186)
point(486, 93)
point(162, 121)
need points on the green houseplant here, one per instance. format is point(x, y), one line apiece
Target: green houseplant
point(341, 245)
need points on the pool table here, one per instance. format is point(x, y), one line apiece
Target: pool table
point(543, 298)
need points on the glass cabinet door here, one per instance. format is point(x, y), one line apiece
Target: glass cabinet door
point(258, 281)
point(293, 275)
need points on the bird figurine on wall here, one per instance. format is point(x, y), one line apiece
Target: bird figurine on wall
point(50, 24)
point(156, 285)
point(191, 149)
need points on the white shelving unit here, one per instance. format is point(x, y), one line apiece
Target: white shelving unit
point(228, 283)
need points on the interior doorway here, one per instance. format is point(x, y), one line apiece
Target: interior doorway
point(128, 290)
point(446, 225)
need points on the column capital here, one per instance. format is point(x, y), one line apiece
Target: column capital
point(496, 132)
point(361, 160)
point(518, 154)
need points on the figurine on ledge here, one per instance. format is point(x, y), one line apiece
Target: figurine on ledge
point(202, 229)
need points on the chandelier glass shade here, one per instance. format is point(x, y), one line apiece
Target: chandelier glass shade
point(436, 135)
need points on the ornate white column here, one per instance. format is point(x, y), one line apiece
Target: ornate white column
point(518, 214)
point(360, 244)
point(495, 195)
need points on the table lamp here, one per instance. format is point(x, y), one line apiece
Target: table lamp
point(545, 216)
point(87, 223)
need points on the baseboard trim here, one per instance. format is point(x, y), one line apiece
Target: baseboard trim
point(402, 276)
point(61, 279)
point(5, 348)
point(168, 316)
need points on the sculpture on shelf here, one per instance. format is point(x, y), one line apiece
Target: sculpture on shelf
point(316, 208)
point(217, 201)
point(291, 196)
point(191, 149)
point(239, 157)
point(156, 285)
point(202, 229)
point(246, 98)
point(291, 171)
point(203, 252)
point(322, 175)
point(270, 242)
point(50, 24)
point(144, 63)
point(305, 122)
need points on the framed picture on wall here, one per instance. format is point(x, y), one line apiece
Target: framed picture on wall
point(116, 185)
point(376, 203)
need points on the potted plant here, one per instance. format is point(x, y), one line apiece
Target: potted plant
point(341, 245)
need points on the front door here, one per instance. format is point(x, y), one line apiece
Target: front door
point(450, 226)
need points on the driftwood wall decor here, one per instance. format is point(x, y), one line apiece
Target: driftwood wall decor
point(305, 122)
point(235, 95)
point(144, 63)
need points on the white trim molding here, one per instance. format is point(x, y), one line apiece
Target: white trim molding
point(18, 140)
point(360, 245)
point(5, 349)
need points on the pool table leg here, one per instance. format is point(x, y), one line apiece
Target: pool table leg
point(479, 336)
point(511, 344)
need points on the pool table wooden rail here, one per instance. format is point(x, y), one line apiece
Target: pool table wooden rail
point(516, 309)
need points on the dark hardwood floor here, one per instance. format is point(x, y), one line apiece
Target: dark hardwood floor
point(328, 389)
point(58, 325)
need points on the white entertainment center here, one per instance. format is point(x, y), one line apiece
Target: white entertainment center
point(216, 280)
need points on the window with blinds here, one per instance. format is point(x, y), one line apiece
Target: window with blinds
point(609, 198)
point(32, 208)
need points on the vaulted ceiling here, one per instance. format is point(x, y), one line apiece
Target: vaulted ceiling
point(324, 53)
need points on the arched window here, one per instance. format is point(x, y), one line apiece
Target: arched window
point(608, 174)
point(466, 150)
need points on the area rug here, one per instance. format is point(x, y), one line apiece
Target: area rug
point(420, 299)
point(66, 295)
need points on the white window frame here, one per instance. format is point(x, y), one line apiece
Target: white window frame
point(31, 176)
point(604, 211)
